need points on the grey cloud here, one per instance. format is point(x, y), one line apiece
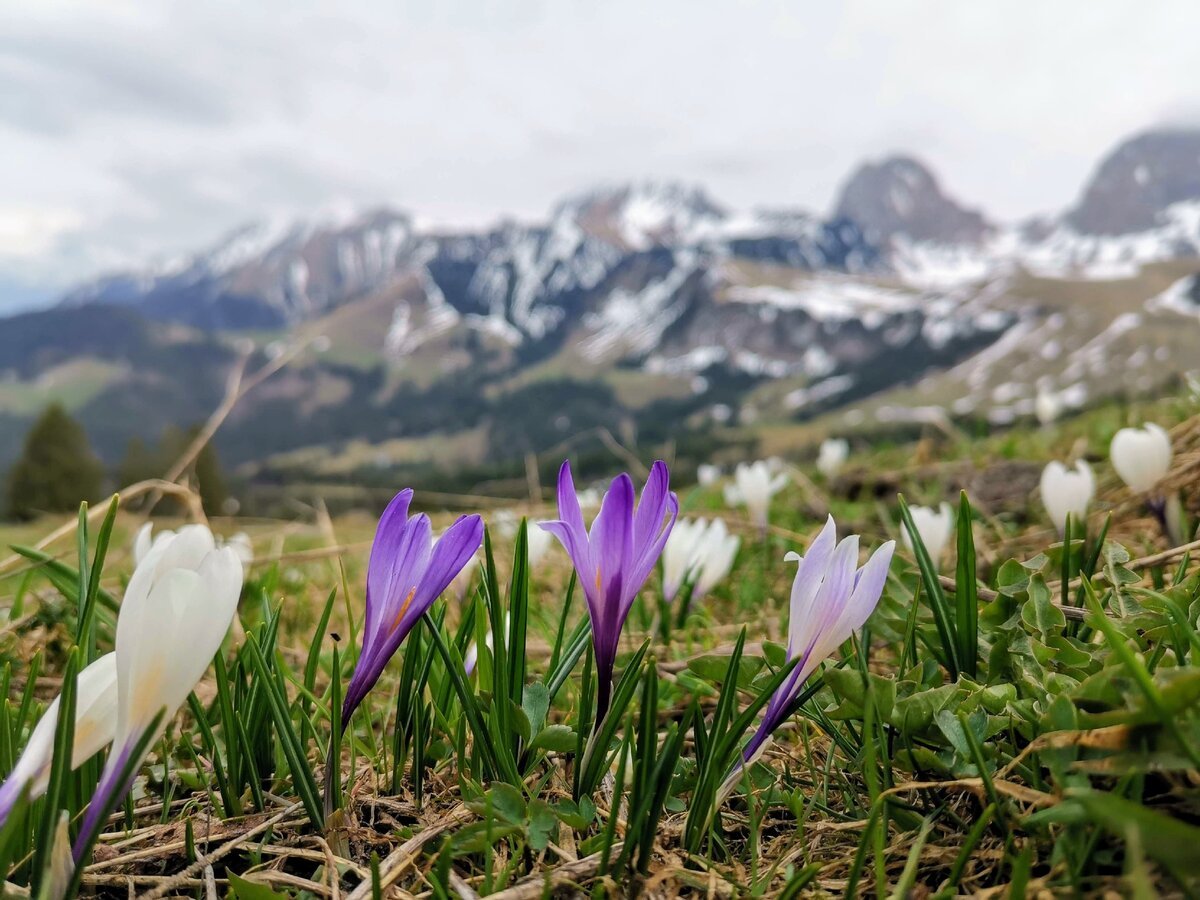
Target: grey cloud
point(53, 84)
point(163, 125)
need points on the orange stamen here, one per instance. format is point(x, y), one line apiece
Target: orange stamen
point(403, 610)
point(597, 579)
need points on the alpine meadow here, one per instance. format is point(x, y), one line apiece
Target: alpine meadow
point(708, 450)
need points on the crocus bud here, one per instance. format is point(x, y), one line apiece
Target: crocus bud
point(1067, 492)
point(832, 456)
point(1141, 456)
point(934, 526)
point(754, 484)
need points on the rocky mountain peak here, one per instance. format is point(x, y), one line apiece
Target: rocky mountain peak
point(1138, 181)
point(900, 197)
point(643, 214)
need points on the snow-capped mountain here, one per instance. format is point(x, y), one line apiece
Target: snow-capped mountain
point(902, 301)
point(267, 274)
point(1141, 206)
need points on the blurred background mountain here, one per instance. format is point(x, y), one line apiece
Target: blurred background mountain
point(644, 313)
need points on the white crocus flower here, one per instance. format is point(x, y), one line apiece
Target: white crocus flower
point(95, 719)
point(146, 539)
point(832, 456)
point(176, 612)
point(1048, 406)
point(679, 554)
point(1067, 491)
point(934, 526)
point(753, 487)
point(707, 475)
point(1141, 456)
point(715, 555)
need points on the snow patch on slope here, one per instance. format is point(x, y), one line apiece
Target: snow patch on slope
point(1063, 253)
point(634, 321)
point(1178, 298)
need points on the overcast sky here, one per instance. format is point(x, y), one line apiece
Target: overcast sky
point(135, 131)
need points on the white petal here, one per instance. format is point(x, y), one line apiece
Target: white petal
point(1141, 456)
point(95, 721)
point(1066, 491)
point(167, 637)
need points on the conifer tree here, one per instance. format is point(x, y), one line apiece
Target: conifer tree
point(56, 470)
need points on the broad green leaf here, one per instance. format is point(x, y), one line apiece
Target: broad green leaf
point(1039, 612)
point(536, 703)
point(554, 739)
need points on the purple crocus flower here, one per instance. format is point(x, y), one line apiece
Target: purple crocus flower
point(407, 571)
point(831, 599)
point(616, 557)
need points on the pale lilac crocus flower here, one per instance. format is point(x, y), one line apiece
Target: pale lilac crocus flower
point(831, 598)
point(614, 559)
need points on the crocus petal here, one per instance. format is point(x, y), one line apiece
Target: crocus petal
point(142, 542)
point(568, 501)
point(392, 549)
point(176, 611)
point(409, 589)
point(650, 553)
point(835, 591)
point(651, 506)
point(166, 641)
point(107, 789)
point(1067, 491)
point(861, 603)
point(578, 551)
point(539, 542)
point(840, 603)
point(805, 586)
point(611, 539)
point(454, 549)
point(95, 721)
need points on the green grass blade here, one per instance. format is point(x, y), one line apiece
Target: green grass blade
point(933, 590)
point(966, 593)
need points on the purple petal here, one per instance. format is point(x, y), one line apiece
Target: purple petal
point(581, 557)
point(651, 506)
point(109, 791)
point(453, 550)
point(389, 551)
point(574, 541)
point(834, 594)
point(10, 793)
point(776, 710)
point(651, 552)
point(612, 554)
point(568, 501)
point(410, 602)
point(412, 552)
